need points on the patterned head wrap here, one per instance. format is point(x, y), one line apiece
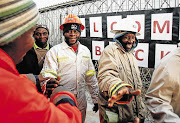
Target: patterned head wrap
point(16, 17)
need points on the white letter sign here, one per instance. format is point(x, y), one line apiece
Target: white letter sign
point(95, 26)
point(97, 48)
point(111, 22)
point(162, 50)
point(141, 54)
point(161, 26)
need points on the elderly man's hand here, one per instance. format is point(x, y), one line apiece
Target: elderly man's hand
point(136, 120)
point(124, 91)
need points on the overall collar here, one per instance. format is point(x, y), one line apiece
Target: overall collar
point(36, 46)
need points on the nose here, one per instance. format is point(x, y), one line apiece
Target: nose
point(72, 33)
point(41, 36)
point(131, 40)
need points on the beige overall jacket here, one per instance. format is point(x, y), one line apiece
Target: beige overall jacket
point(163, 95)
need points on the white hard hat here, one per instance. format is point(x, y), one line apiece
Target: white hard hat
point(126, 25)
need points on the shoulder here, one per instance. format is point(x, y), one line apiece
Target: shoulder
point(169, 64)
point(56, 47)
point(171, 59)
point(83, 47)
point(110, 48)
point(50, 46)
point(29, 54)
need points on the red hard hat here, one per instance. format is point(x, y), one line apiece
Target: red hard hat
point(72, 19)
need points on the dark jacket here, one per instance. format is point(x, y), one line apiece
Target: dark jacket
point(29, 63)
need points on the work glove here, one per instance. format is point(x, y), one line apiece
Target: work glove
point(95, 108)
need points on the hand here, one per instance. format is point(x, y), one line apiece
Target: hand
point(95, 108)
point(136, 120)
point(124, 91)
point(50, 85)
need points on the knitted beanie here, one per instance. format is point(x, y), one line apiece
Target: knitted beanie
point(16, 17)
point(71, 26)
point(41, 26)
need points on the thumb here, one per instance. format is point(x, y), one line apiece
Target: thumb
point(58, 78)
point(136, 120)
point(135, 92)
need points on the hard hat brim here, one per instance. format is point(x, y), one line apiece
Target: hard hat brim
point(123, 31)
point(82, 26)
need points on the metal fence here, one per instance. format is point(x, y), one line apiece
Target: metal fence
point(53, 17)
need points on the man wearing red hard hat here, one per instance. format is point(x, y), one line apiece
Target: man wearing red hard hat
point(72, 62)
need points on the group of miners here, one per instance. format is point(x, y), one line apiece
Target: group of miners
point(45, 83)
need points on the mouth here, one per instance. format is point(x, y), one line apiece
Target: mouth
point(43, 40)
point(72, 39)
point(129, 46)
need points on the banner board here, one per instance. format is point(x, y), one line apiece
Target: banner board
point(159, 33)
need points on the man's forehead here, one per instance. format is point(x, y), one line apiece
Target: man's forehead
point(130, 34)
point(41, 29)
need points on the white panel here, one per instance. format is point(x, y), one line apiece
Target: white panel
point(95, 26)
point(162, 50)
point(97, 48)
point(111, 22)
point(83, 33)
point(141, 53)
point(161, 26)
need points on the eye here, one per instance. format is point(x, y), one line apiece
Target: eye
point(133, 38)
point(45, 33)
point(75, 31)
point(37, 33)
point(125, 37)
point(70, 31)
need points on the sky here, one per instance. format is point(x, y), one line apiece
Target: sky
point(45, 3)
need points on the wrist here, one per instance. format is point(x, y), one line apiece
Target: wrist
point(38, 83)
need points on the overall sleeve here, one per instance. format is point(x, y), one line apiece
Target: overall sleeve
point(50, 65)
point(159, 96)
point(92, 83)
